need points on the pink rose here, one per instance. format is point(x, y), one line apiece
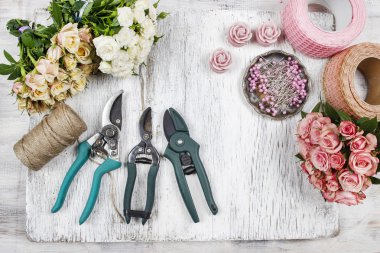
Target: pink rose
point(317, 182)
point(307, 167)
point(332, 183)
point(36, 82)
point(267, 34)
point(239, 34)
point(320, 159)
point(220, 61)
point(329, 139)
point(348, 198)
point(367, 183)
point(304, 147)
point(85, 34)
point(329, 196)
point(350, 181)
point(349, 130)
point(316, 129)
point(337, 161)
point(47, 69)
point(17, 87)
point(362, 143)
point(363, 163)
point(304, 126)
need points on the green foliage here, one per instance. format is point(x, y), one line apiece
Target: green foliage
point(369, 125)
point(162, 15)
point(375, 180)
point(299, 156)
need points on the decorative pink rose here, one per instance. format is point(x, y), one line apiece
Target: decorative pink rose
point(239, 34)
point(220, 61)
point(316, 129)
point(332, 183)
point(317, 182)
point(17, 87)
point(267, 34)
point(349, 130)
point(337, 161)
point(47, 69)
point(362, 143)
point(329, 196)
point(349, 181)
point(363, 163)
point(307, 167)
point(320, 159)
point(304, 147)
point(348, 198)
point(329, 139)
point(304, 126)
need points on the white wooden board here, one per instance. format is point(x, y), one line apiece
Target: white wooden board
point(259, 189)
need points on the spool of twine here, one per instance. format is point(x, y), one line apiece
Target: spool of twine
point(60, 129)
point(339, 80)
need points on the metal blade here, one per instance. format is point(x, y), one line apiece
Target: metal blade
point(179, 122)
point(145, 124)
point(169, 128)
point(112, 112)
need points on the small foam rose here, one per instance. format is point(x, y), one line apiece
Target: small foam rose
point(220, 61)
point(267, 34)
point(239, 34)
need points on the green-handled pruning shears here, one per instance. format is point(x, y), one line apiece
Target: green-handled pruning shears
point(183, 152)
point(102, 148)
point(144, 153)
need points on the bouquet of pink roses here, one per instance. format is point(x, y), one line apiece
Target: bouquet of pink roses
point(339, 154)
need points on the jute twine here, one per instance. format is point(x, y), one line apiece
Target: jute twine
point(60, 129)
point(339, 80)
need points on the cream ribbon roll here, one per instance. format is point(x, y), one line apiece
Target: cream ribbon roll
point(339, 80)
point(303, 35)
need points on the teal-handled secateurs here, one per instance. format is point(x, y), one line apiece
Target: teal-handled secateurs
point(102, 148)
point(183, 152)
point(143, 153)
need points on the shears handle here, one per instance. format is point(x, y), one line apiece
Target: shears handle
point(107, 166)
point(84, 150)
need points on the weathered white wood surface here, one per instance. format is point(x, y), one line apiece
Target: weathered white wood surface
point(249, 159)
point(359, 225)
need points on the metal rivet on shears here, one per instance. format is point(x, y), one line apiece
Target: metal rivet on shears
point(118, 121)
point(146, 137)
point(110, 132)
point(179, 141)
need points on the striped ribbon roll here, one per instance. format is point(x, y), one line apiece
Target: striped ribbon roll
point(339, 80)
point(312, 40)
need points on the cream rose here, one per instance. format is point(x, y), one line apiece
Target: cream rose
point(69, 62)
point(83, 55)
point(106, 47)
point(54, 53)
point(85, 34)
point(47, 69)
point(36, 82)
point(37, 95)
point(79, 81)
point(69, 38)
point(17, 87)
point(59, 87)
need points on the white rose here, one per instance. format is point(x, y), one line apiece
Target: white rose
point(106, 47)
point(145, 47)
point(122, 66)
point(125, 16)
point(139, 15)
point(133, 51)
point(105, 67)
point(144, 4)
point(149, 29)
point(126, 37)
point(68, 37)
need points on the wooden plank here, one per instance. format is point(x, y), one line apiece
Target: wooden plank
point(260, 196)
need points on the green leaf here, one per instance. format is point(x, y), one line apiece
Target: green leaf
point(15, 74)
point(78, 5)
point(331, 112)
point(362, 120)
point(317, 107)
point(157, 38)
point(375, 180)
point(72, 2)
point(162, 15)
point(27, 39)
point(378, 168)
point(299, 156)
point(6, 69)
point(155, 5)
point(344, 116)
point(14, 24)
point(303, 114)
point(56, 13)
point(369, 126)
point(87, 9)
point(9, 57)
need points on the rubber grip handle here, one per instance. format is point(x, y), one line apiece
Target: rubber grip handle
point(151, 188)
point(129, 190)
point(84, 150)
point(182, 183)
point(203, 179)
point(107, 166)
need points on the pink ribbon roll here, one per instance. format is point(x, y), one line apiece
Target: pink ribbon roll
point(311, 40)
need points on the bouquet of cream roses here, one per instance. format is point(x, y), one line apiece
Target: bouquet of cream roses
point(113, 36)
point(339, 154)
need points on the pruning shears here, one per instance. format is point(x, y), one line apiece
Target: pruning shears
point(143, 153)
point(183, 153)
point(102, 148)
